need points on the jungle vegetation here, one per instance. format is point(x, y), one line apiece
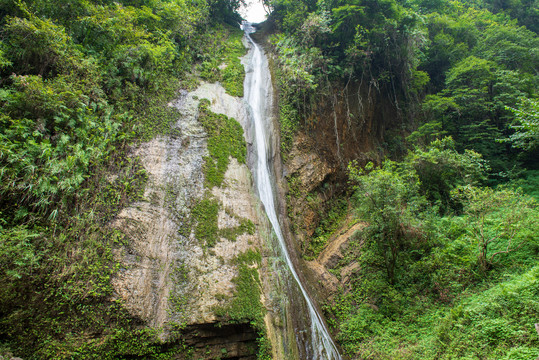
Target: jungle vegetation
point(81, 83)
point(446, 266)
point(448, 260)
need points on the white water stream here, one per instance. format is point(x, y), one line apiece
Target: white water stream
point(256, 89)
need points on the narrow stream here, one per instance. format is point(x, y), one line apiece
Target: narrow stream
point(256, 93)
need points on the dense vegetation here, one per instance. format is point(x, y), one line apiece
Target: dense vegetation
point(451, 68)
point(446, 265)
point(437, 245)
point(81, 82)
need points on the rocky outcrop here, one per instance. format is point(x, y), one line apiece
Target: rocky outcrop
point(330, 258)
point(308, 168)
point(225, 342)
point(332, 254)
point(306, 171)
point(169, 278)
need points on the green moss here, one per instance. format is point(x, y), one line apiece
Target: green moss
point(205, 214)
point(225, 140)
point(250, 257)
point(289, 125)
point(245, 305)
point(246, 226)
point(178, 298)
point(224, 64)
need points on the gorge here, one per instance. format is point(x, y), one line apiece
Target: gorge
point(259, 94)
point(356, 179)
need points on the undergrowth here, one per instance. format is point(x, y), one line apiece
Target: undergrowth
point(80, 87)
point(332, 220)
point(445, 269)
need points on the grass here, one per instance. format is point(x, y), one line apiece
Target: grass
point(497, 323)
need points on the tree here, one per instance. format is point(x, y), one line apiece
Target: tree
point(440, 169)
point(387, 198)
point(226, 10)
point(526, 125)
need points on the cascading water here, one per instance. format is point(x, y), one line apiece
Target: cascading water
point(322, 346)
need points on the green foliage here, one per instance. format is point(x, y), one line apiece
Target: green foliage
point(481, 66)
point(525, 125)
point(494, 324)
point(17, 252)
point(48, 155)
point(205, 215)
point(440, 169)
point(498, 232)
point(289, 125)
point(525, 11)
point(438, 285)
point(388, 199)
point(436, 242)
point(3, 61)
point(331, 221)
point(528, 183)
point(81, 83)
point(498, 321)
point(245, 305)
point(223, 61)
point(225, 140)
point(38, 47)
point(328, 48)
point(233, 74)
point(471, 64)
point(226, 10)
point(296, 82)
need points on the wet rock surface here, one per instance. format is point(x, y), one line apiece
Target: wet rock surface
point(169, 278)
point(225, 342)
point(306, 165)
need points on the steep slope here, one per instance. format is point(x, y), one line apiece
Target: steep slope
point(171, 279)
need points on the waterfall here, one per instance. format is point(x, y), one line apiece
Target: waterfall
point(256, 94)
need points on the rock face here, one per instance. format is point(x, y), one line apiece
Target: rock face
point(331, 257)
point(170, 279)
point(309, 168)
point(305, 171)
point(233, 341)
